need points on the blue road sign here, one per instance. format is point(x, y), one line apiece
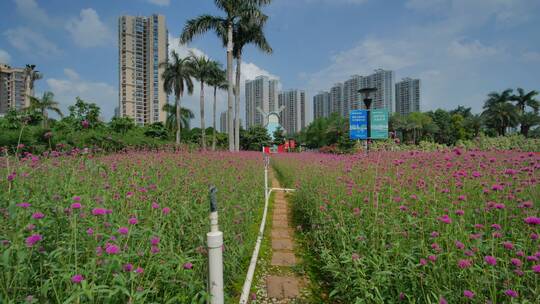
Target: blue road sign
point(358, 124)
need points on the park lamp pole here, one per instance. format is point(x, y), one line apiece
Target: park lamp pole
point(365, 92)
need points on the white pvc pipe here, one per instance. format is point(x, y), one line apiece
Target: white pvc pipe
point(253, 263)
point(214, 240)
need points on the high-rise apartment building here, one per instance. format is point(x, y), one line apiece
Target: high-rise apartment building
point(260, 93)
point(293, 116)
point(14, 88)
point(143, 45)
point(321, 105)
point(408, 96)
point(383, 81)
point(223, 122)
point(336, 99)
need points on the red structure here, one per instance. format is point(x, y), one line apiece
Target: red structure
point(287, 146)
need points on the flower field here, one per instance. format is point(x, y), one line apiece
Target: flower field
point(419, 227)
point(123, 228)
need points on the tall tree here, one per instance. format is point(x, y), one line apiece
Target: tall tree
point(203, 69)
point(528, 120)
point(524, 100)
point(235, 11)
point(43, 105)
point(247, 31)
point(177, 79)
point(185, 116)
point(31, 75)
point(218, 81)
point(499, 113)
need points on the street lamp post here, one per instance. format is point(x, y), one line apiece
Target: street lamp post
point(366, 92)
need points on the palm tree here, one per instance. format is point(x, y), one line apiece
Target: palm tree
point(218, 81)
point(523, 100)
point(235, 11)
point(528, 120)
point(30, 76)
point(247, 31)
point(44, 104)
point(499, 113)
point(177, 78)
point(203, 69)
point(185, 116)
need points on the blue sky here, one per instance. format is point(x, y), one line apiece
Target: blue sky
point(460, 49)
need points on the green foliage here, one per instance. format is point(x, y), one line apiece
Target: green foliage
point(156, 130)
point(83, 115)
point(279, 137)
point(122, 124)
point(254, 138)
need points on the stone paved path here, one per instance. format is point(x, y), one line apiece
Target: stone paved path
point(282, 284)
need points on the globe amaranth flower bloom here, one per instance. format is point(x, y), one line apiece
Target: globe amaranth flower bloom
point(468, 294)
point(464, 263)
point(123, 230)
point(154, 241)
point(516, 262)
point(536, 268)
point(77, 278)
point(99, 211)
point(33, 239)
point(188, 265)
point(133, 221)
point(491, 260)
point(76, 206)
point(532, 220)
point(166, 210)
point(128, 267)
point(38, 215)
point(511, 293)
point(24, 205)
point(112, 249)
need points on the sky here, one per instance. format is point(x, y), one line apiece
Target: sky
point(460, 49)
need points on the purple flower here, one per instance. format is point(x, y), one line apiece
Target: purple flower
point(188, 265)
point(139, 270)
point(77, 278)
point(155, 205)
point(128, 267)
point(89, 231)
point(432, 258)
point(423, 262)
point(511, 293)
point(468, 294)
point(491, 260)
point(123, 230)
point(38, 215)
point(33, 239)
point(532, 220)
point(516, 262)
point(112, 249)
point(133, 221)
point(442, 301)
point(76, 198)
point(464, 263)
point(536, 268)
point(154, 249)
point(76, 206)
point(459, 245)
point(445, 219)
point(99, 211)
point(154, 241)
point(508, 245)
point(24, 205)
point(166, 210)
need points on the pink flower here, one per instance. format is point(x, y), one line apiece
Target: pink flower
point(434, 234)
point(24, 205)
point(468, 294)
point(133, 221)
point(166, 210)
point(511, 293)
point(38, 215)
point(155, 205)
point(99, 211)
point(459, 245)
point(491, 260)
point(33, 239)
point(508, 245)
point(516, 262)
point(154, 241)
point(139, 270)
point(188, 265)
point(128, 267)
point(445, 219)
point(463, 264)
point(443, 301)
point(460, 212)
point(532, 220)
point(77, 278)
point(123, 230)
point(496, 226)
point(76, 206)
point(432, 258)
point(112, 249)
point(536, 268)
point(76, 198)
point(423, 262)
point(154, 249)
point(89, 231)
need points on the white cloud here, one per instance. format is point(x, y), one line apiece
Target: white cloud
point(471, 49)
point(160, 2)
point(30, 10)
point(249, 71)
point(72, 85)
point(88, 31)
point(26, 40)
point(4, 56)
point(531, 56)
